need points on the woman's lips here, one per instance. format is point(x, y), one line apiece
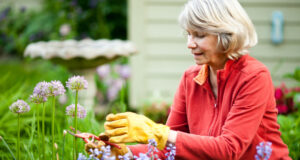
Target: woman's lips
point(198, 54)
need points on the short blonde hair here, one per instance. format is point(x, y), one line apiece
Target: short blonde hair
point(225, 18)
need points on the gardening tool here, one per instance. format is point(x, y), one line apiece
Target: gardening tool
point(87, 136)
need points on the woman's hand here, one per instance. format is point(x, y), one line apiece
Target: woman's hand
point(131, 127)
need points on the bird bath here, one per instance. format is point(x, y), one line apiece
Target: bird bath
point(81, 58)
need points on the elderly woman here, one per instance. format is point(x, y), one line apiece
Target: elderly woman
point(224, 106)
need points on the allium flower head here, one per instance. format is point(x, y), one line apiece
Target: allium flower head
point(142, 156)
point(171, 152)
point(81, 112)
point(125, 157)
point(56, 88)
point(103, 71)
point(76, 83)
point(263, 151)
point(112, 93)
point(37, 98)
point(40, 92)
point(124, 71)
point(19, 106)
point(81, 157)
point(42, 88)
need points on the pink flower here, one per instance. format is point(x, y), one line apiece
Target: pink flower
point(278, 93)
point(282, 108)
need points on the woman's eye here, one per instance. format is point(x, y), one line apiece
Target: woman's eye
point(200, 35)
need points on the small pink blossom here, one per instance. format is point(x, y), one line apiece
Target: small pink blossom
point(278, 93)
point(282, 108)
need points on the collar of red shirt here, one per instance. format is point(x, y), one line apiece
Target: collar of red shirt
point(203, 74)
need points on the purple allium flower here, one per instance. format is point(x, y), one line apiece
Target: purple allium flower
point(124, 157)
point(263, 151)
point(123, 70)
point(103, 71)
point(19, 106)
point(81, 157)
point(114, 87)
point(171, 152)
point(76, 83)
point(81, 112)
point(112, 93)
point(142, 156)
point(106, 153)
point(56, 88)
point(152, 144)
point(118, 83)
point(37, 98)
point(42, 89)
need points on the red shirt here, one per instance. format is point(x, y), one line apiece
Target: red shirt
point(231, 125)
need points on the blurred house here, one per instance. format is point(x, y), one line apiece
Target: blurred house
point(163, 55)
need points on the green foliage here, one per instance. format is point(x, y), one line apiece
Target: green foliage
point(17, 82)
point(295, 75)
point(290, 124)
point(93, 18)
point(290, 129)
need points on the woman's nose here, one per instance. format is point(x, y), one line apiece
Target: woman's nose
point(191, 43)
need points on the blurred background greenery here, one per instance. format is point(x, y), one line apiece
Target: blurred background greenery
point(79, 19)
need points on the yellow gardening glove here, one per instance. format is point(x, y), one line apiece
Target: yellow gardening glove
point(131, 127)
point(114, 151)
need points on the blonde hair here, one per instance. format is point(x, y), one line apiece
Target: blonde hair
point(224, 18)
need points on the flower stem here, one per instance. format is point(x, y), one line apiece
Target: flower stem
point(43, 131)
point(5, 144)
point(75, 144)
point(53, 115)
point(38, 130)
point(63, 148)
point(18, 142)
point(122, 98)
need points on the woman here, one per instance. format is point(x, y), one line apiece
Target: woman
point(224, 107)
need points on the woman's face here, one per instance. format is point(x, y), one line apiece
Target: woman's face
point(205, 49)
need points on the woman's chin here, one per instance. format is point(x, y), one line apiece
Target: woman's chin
point(199, 62)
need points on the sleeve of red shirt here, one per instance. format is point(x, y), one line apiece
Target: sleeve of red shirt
point(240, 126)
point(176, 121)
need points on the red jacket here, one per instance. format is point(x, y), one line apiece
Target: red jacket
point(231, 126)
